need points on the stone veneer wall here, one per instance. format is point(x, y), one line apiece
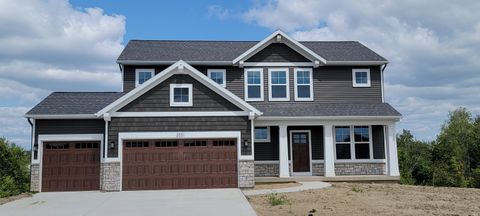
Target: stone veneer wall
point(318, 169)
point(267, 170)
point(342, 169)
point(246, 174)
point(35, 177)
point(110, 176)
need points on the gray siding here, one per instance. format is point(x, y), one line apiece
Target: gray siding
point(158, 98)
point(378, 142)
point(332, 84)
point(277, 52)
point(270, 151)
point(129, 75)
point(117, 125)
point(69, 126)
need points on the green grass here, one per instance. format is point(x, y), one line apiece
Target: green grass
point(276, 199)
point(356, 189)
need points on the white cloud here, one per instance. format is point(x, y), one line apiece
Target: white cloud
point(217, 11)
point(432, 46)
point(51, 46)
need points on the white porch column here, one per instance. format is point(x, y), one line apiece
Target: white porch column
point(392, 157)
point(283, 151)
point(329, 155)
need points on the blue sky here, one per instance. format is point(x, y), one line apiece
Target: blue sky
point(180, 20)
point(67, 45)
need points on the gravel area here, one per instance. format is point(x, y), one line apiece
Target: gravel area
point(373, 199)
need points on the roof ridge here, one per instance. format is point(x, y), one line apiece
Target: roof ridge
point(200, 40)
point(85, 92)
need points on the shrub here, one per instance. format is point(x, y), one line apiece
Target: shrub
point(14, 171)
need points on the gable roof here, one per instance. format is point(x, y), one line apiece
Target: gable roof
point(284, 38)
point(180, 67)
point(225, 52)
point(81, 104)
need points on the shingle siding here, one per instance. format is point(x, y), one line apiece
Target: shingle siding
point(69, 126)
point(158, 98)
point(117, 125)
point(277, 52)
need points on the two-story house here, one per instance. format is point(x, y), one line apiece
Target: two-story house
point(210, 114)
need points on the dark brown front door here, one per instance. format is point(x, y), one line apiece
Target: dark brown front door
point(301, 151)
point(179, 164)
point(71, 166)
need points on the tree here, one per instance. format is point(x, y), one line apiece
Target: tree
point(14, 170)
point(452, 155)
point(414, 159)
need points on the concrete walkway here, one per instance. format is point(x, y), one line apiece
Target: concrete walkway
point(304, 186)
point(160, 202)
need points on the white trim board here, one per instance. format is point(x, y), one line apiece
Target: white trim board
point(62, 137)
point(178, 114)
point(179, 67)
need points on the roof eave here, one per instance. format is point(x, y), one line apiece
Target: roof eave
point(355, 63)
point(392, 118)
point(61, 116)
point(143, 62)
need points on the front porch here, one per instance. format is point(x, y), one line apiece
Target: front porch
point(326, 150)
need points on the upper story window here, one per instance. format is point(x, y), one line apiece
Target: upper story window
point(181, 95)
point(278, 89)
point(358, 147)
point(303, 84)
point(218, 75)
point(361, 77)
point(262, 134)
point(254, 84)
point(142, 75)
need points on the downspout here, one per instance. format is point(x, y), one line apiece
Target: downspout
point(383, 80)
point(31, 154)
point(120, 66)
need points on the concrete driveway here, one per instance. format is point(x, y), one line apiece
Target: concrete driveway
point(164, 202)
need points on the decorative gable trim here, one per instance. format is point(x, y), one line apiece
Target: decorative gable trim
point(180, 67)
point(279, 36)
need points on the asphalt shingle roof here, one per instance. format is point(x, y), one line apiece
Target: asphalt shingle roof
point(171, 50)
point(326, 109)
point(62, 103)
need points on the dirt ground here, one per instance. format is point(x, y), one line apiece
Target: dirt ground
point(374, 199)
point(13, 198)
point(274, 186)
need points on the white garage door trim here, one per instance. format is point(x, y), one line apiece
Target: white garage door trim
point(63, 137)
point(175, 135)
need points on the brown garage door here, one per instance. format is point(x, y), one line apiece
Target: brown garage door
point(71, 166)
point(175, 164)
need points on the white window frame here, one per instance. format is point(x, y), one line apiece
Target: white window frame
point(181, 104)
point(267, 140)
point(353, 143)
point(245, 76)
point(287, 83)
point(137, 72)
point(354, 80)
point(296, 84)
point(223, 71)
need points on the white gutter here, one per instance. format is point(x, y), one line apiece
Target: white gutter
point(137, 62)
point(328, 117)
point(355, 63)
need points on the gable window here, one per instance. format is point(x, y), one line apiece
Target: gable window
point(278, 84)
point(361, 77)
point(353, 142)
point(142, 75)
point(181, 95)
point(303, 84)
point(254, 84)
point(218, 75)
point(262, 134)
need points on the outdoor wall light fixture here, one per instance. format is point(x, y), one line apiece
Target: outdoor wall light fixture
point(111, 144)
point(245, 143)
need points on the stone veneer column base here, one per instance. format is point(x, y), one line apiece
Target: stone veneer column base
point(35, 177)
point(342, 169)
point(110, 176)
point(318, 169)
point(246, 172)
